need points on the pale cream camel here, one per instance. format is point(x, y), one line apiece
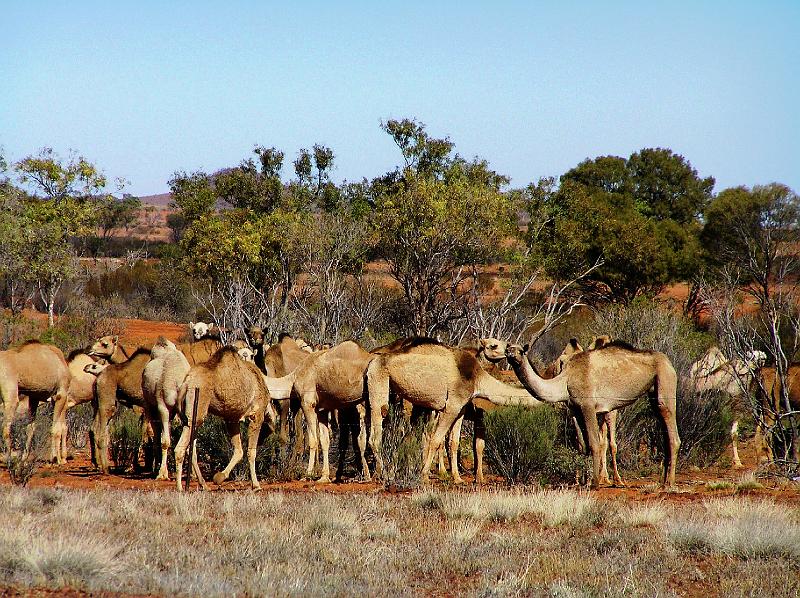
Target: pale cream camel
point(328, 380)
point(247, 354)
point(201, 330)
point(234, 390)
point(81, 390)
point(714, 372)
point(36, 370)
point(595, 382)
point(433, 376)
point(161, 379)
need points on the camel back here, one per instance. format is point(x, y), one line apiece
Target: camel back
point(768, 382)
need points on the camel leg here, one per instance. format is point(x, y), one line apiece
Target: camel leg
point(666, 408)
point(313, 441)
point(478, 444)
point(737, 462)
point(378, 387)
point(362, 440)
point(283, 409)
point(299, 437)
point(10, 395)
point(604, 479)
point(593, 436)
point(443, 426)
point(455, 440)
point(166, 441)
point(180, 452)
point(576, 422)
point(58, 432)
point(100, 434)
point(253, 431)
point(30, 428)
point(235, 436)
point(611, 423)
point(323, 419)
point(346, 424)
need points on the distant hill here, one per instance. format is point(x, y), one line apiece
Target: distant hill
point(161, 200)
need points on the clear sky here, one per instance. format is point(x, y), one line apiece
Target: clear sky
point(143, 89)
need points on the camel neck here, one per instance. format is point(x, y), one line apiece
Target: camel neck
point(553, 390)
point(502, 394)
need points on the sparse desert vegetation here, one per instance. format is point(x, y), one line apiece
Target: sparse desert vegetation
point(524, 542)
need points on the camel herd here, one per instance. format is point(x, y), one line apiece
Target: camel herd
point(253, 382)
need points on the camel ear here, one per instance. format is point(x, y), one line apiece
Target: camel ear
point(484, 342)
point(210, 326)
point(116, 339)
point(191, 324)
point(525, 347)
point(574, 343)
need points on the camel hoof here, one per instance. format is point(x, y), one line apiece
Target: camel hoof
point(162, 476)
point(458, 480)
point(324, 480)
point(256, 488)
point(220, 477)
point(738, 466)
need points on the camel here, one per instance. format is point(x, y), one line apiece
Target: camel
point(83, 376)
point(494, 348)
point(234, 390)
point(201, 330)
point(161, 380)
point(109, 348)
point(36, 370)
point(714, 372)
point(328, 380)
point(276, 362)
point(433, 376)
point(118, 382)
point(771, 403)
point(603, 380)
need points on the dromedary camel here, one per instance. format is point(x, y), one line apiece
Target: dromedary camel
point(328, 380)
point(596, 382)
point(234, 390)
point(36, 370)
point(714, 372)
point(432, 376)
point(276, 362)
point(83, 376)
point(161, 379)
point(771, 403)
point(201, 330)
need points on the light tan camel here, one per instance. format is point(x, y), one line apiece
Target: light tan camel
point(595, 382)
point(432, 376)
point(328, 380)
point(161, 379)
point(714, 372)
point(234, 390)
point(36, 370)
point(83, 376)
point(494, 348)
point(276, 362)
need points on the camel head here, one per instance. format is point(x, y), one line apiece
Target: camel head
point(304, 346)
point(96, 368)
point(571, 349)
point(493, 349)
point(755, 360)
point(161, 347)
point(599, 342)
point(104, 347)
point(256, 336)
point(200, 330)
point(516, 353)
point(246, 353)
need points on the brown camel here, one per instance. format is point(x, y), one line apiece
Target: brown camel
point(276, 362)
point(36, 370)
point(161, 380)
point(596, 382)
point(771, 402)
point(714, 372)
point(234, 390)
point(328, 380)
point(433, 376)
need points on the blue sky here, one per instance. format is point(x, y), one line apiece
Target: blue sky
point(147, 88)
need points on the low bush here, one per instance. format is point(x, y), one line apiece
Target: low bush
point(525, 445)
point(126, 439)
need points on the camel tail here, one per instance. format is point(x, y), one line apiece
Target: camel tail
point(181, 404)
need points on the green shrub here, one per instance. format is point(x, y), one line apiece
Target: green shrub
point(126, 439)
point(524, 445)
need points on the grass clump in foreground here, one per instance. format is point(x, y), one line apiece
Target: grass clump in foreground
point(483, 543)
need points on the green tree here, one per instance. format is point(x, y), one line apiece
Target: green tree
point(116, 213)
point(640, 215)
point(436, 219)
point(193, 196)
